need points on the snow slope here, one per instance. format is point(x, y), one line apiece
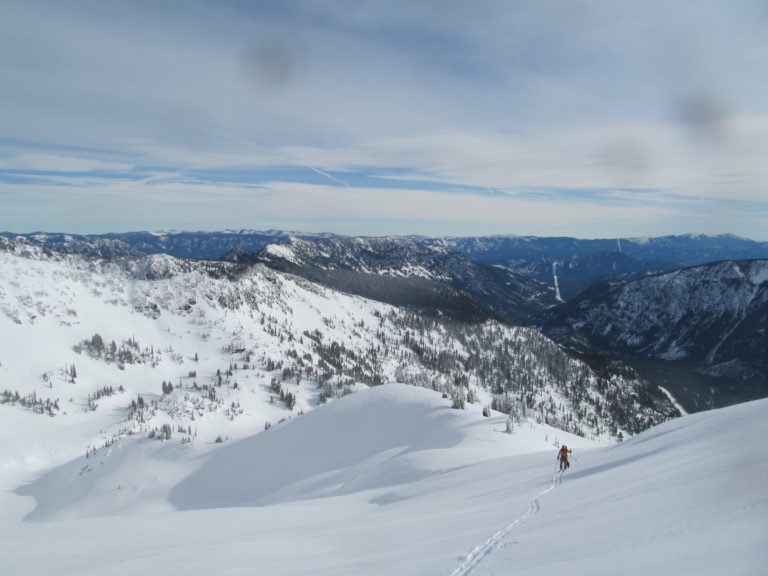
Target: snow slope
point(392, 481)
point(229, 339)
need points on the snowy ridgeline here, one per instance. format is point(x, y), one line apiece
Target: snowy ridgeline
point(206, 351)
point(392, 480)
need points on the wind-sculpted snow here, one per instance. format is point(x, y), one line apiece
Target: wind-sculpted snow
point(381, 438)
point(439, 491)
point(381, 441)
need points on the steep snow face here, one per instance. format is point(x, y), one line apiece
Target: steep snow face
point(439, 492)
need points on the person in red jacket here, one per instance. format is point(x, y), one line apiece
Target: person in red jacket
point(562, 457)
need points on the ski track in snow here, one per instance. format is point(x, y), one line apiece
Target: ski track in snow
point(480, 552)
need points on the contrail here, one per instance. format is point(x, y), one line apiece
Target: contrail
point(329, 176)
point(243, 141)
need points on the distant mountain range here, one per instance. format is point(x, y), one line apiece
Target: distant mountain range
point(193, 245)
point(566, 265)
point(688, 311)
point(578, 264)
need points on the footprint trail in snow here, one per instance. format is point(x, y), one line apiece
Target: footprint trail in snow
point(478, 553)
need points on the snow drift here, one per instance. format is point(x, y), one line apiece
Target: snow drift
point(392, 481)
point(382, 437)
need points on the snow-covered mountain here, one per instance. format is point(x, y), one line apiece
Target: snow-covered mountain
point(95, 352)
point(162, 415)
point(412, 271)
point(392, 481)
point(515, 279)
point(712, 317)
point(566, 265)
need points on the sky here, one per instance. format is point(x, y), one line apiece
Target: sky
point(557, 117)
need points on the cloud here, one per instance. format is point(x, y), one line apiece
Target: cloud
point(361, 210)
point(552, 97)
point(47, 162)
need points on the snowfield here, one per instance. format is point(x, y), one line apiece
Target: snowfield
point(162, 416)
point(391, 480)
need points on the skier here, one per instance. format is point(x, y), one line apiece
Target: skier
point(562, 457)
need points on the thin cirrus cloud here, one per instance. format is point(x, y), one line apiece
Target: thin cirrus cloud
point(569, 118)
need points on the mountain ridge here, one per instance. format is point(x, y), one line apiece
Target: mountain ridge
point(712, 317)
point(439, 277)
point(504, 294)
